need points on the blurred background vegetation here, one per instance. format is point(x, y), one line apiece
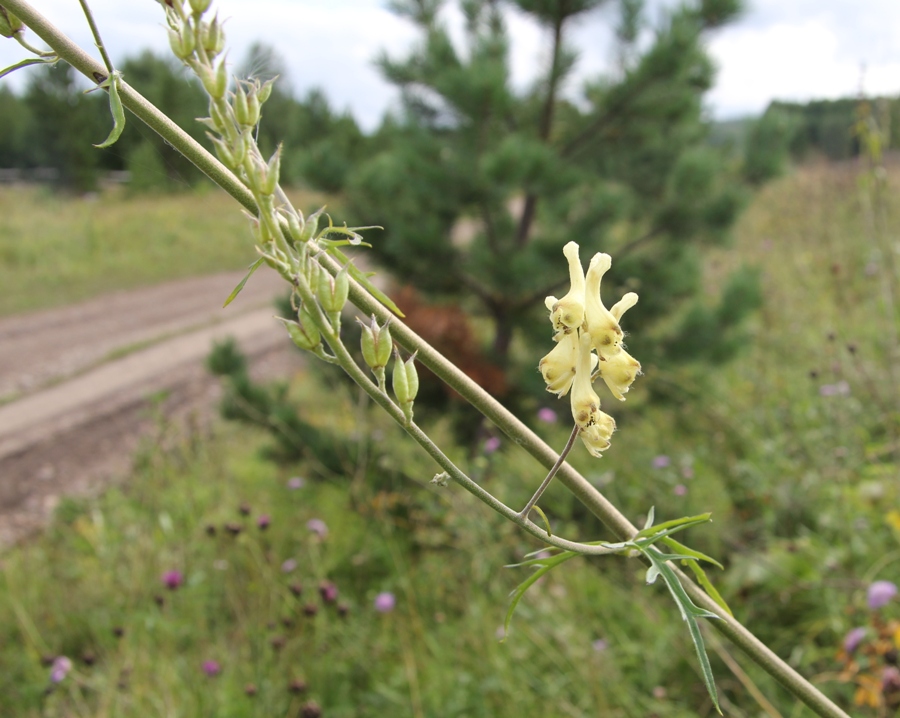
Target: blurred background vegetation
point(764, 252)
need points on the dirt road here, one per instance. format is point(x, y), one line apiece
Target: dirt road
point(81, 385)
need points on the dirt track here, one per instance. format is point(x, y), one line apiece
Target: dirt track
point(82, 384)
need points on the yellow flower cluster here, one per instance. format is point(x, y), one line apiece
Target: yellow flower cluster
point(588, 339)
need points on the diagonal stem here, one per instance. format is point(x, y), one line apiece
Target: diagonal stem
point(95, 31)
point(523, 514)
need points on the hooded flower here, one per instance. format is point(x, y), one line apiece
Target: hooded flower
point(583, 325)
point(567, 314)
point(599, 321)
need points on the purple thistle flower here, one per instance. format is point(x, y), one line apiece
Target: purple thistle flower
point(385, 602)
point(211, 668)
point(491, 445)
point(60, 669)
point(172, 580)
point(680, 490)
point(854, 638)
point(661, 461)
point(263, 522)
point(318, 527)
point(289, 565)
point(547, 415)
point(880, 594)
point(295, 482)
point(328, 591)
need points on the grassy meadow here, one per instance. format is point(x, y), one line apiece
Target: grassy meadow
point(216, 581)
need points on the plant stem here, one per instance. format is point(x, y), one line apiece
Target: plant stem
point(553, 469)
point(593, 500)
point(95, 31)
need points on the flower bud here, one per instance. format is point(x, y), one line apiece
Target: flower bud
point(9, 23)
point(376, 343)
point(405, 380)
point(182, 42)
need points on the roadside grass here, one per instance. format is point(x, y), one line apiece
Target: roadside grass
point(57, 248)
point(793, 446)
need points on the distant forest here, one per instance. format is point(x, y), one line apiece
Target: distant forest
point(47, 131)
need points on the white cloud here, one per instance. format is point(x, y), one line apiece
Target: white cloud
point(801, 49)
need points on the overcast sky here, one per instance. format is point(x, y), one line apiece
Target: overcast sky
point(779, 49)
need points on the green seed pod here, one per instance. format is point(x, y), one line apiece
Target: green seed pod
point(9, 23)
point(253, 105)
point(376, 343)
point(223, 151)
point(265, 90)
point(215, 82)
point(218, 119)
point(273, 170)
point(213, 37)
point(304, 333)
point(241, 107)
point(296, 228)
point(332, 292)
point(200, 6)
point(405, 380)
point(182, 42)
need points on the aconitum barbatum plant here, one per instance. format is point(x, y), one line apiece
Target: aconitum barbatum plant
point(309, 257)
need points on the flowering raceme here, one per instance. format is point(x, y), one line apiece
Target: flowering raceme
point(588, 337)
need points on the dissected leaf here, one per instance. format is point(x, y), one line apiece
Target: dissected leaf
point(25, 63)
point(678, 524)
point(520, 590)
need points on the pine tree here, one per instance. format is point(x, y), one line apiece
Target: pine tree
point(622, 167)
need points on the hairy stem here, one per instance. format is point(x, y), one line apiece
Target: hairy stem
point(95, 31)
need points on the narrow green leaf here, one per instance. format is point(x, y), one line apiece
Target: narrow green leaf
point(520, 590)
point(690, 613)
point(543, 516)
point(693, 553)
point(683, 522)
point(117, 111)
point(652, 574)
point(705, 668)
point(651, 514)
point(25, 63)
point(237, 290)
point(363, 279)
point(707, 585)
point(550, 561)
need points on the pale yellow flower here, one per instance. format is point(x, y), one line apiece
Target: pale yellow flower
point(567, 314)
point(558, 367)
point(619, 372)
point(599, 321)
